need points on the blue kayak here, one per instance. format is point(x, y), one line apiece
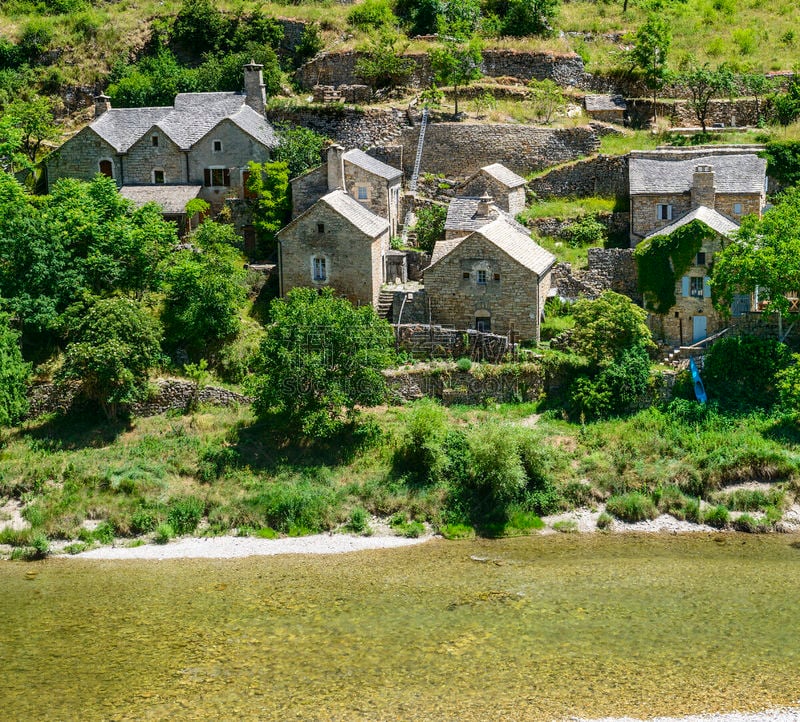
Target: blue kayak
point(699, 389)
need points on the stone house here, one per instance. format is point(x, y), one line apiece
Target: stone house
point(172, 199)
point(506, 187)
point(467, 214)
point(693, 317)
point(336, 243)
point(371, 182)
point(203, 139)
point(495, 279)
point(606, 108)
point(666, 185)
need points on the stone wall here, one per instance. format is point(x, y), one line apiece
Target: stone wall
point(434, 341)
point(610, 269)
point(460, 149)
point(739, 112)
point(339, 68)
point(171, 394)
point(604, 175)
point(617, 225)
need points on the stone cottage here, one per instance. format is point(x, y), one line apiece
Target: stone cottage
point(336, 243)
point(505, 186)
point(371, 182)
point(468, 214)
point(495, 279)
point(693, 317)
point(665, 185)
point(606, 108)
point(203, 139)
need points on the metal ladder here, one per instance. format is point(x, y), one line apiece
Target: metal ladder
point(412, 184)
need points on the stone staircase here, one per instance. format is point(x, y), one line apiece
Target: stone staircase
point(385, 303)
point(679, 357)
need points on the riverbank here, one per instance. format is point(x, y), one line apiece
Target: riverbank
point(784, 714)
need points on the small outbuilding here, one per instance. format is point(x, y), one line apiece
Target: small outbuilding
point(506, 187)
point(606, 108)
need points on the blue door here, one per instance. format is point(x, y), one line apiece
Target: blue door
point(698, 328)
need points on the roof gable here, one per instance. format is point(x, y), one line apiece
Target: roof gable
point(708, 216)
point(372, 165)
point(351, 210)
point(503, 175)
point(462, 215)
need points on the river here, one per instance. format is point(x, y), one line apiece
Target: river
point(537, 628)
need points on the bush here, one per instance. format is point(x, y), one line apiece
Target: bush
point(184, 514)
point(604, 521)
point(371, 14)
point(104, 533)
point(746, 523)
point(430, 226)
point(295, 507)
point(464, 364)
point(753, 499)
point(457, 531)
point(358, 522)
point(423, 453)
point(164, 533)
point(632, 507)
point(716, 516)
point(143, 521)
point(586, 231)
point(671, 500)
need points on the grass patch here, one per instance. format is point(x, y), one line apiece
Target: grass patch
point(566, 526)
point(457, 531)
point(566, 208)
point(632, 507)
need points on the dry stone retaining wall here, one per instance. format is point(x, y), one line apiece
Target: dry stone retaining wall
point(604, 175)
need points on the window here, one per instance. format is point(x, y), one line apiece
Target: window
point(216, 146)
point(483, 321)
point(362, 193)
point(737, 209)
point(696, 286)
point(320, 228)
point(496, 276)
point(481, 277)
point(466, 274)
point(664, 212)
point(319, 268)
point(216, 177)
point(158, 175)
point(154, 141)
point(106, 168)
point(701, 259)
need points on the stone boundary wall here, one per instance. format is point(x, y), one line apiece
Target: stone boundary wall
point(422, 339)
point(460, 149)
point(603, 175)
point(738, 112)
point(172, 394)
point(617, 224)
point(339, 68)
point(610, 269)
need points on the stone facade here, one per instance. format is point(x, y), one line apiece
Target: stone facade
point(510, 301)
point(353, 260)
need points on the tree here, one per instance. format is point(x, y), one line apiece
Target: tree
point(382, 63)
point(763, 259)
point(371, 15)
point(650, 51)
point(113, 348)
point(430, 226)
point(703, 84)
point(547, 98)
point(204, 291)
point(35, 120)
point(519, 18)
point(300, 148)
point(607, 326)
point(458, 62)
point(14, 375)
point(12, 156)
point(320, 358)
point(268, 183)
point(759, 86)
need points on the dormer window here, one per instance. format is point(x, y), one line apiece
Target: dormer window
point(158, 175)
point(154, 141)
point(216, 146)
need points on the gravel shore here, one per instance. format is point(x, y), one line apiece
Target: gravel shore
point(784, 714)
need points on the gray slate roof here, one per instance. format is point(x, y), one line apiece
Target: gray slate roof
point(362, 218)
point(742, 173)
point(462, 216)
point(519, 246)
point(499, 172)
point(172, 199)
point(713, 219)
point(605, 102)
point(192, 117)
point(372, 165)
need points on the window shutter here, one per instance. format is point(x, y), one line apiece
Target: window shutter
point(685, 286)
point(669, 212)
point(706, 288)
point(207, 176)
point(226, 177)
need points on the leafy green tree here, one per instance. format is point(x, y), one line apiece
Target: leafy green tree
point(14, 375)
point(310, 44)
point(457, 62)
point(320, 358)
point(113, 349)
point(204, 292)
point(759, 86)
point(430, 226)
point(199, 24)
point(421, 16)
point(153, 81)
point(547, 98)
point(383, 64)
point(520, 18)
point(783, 160)
point(300, 148)
point(222, 71)
point(649, 54)
point(786, 105)
point(703, 84)
point(268, 183)
point(371, 15)
point(763, 259)
point(12, 155)
point(35, 120)
point(787, 383)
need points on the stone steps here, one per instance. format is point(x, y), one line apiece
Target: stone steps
point(385, 303)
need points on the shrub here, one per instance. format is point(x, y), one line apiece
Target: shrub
point(295, 507)
point(371, 14)
point(164, 533)
point(577, 494)
point(716, 516)
point(464, 364)
point(746, 523)
point(143, 521)
point(753, 499)
point(423, 453)
point(430, 226)
point(524, 521)
point(14, 375)
point(691, 511)
point(498, 472)
point(457, 531)
point(184, 514)
point(604, 521)
point(632, 507)
point(671, 500)
point(104, 533)
point(566, 526)
point(358, 522)
point(585, 231)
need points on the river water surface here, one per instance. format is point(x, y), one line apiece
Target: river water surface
point(538, 628)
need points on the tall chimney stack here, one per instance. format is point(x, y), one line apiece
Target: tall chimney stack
point(336, 168)
point(254, 88)
point(102, 103)
point(703, 191)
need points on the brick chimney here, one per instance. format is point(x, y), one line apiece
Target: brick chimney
point(336, 168)
point(102, 103)
point(254, 89)
point(703, 191)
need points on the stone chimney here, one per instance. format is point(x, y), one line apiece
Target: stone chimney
point(336, 168)
point(102, 103)
point(703, 191)
point(254, 89)
point(484, 209)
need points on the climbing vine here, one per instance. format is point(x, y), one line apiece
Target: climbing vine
point(660, 260)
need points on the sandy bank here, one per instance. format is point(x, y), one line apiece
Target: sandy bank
point(231, 547)
point(784, 714)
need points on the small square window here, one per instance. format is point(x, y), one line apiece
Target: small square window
point(664, 212)
point(362, 193)
point(158, 176)
point(481, 278)
point(466, 274)
point(217, 146)
point(737, 209)
point(496, 276)
point(154, 140)
point(320, 228)
point(701, 259)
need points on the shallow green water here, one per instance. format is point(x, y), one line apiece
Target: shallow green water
point(549, 627)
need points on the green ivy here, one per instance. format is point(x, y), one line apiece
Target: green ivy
point(660, 260)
